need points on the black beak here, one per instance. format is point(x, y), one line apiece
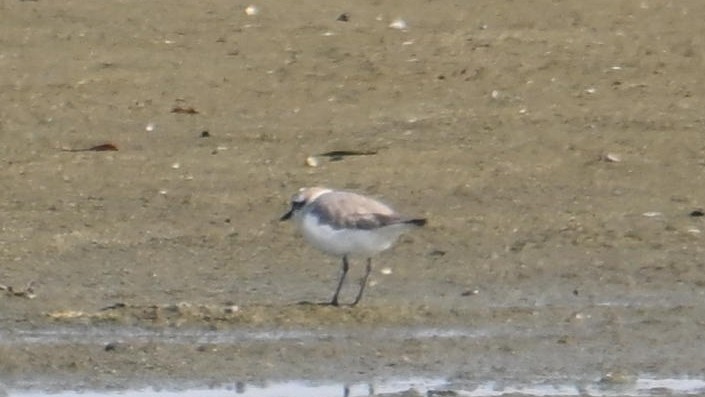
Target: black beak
point(287, 215)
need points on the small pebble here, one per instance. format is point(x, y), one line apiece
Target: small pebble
point(399, 24)
point(617, 377)
point(611, 158)
point(386, 271)
point(112, 346)
point(149, 127)
point(652, 214)
point(252, 10)
point(312, 161)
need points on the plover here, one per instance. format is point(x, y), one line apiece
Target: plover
point(347, 224)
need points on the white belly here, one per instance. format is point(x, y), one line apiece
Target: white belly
point(341, 242)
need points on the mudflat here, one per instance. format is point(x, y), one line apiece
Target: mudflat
point(555, 147)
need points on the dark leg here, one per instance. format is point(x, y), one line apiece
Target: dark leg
point(346, 266)
point(363, 282)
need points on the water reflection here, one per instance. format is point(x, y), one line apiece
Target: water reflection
point(422, 386)
point(102, 336)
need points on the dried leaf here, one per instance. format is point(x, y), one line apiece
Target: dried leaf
point(337, 155)
point(105, 147)
point(184, 110)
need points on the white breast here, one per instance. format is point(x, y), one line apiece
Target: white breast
point(344, 241)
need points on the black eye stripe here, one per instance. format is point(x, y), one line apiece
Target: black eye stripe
point(298, 204)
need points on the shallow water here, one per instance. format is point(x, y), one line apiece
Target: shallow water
point(608, 348)
point(425, 382)
point(79, 335)
point(92, 334)
point(429, 386)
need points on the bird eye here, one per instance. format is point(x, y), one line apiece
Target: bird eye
point(297, 203)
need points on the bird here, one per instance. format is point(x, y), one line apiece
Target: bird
point(343, 224)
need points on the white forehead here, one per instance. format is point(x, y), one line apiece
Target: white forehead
point(308, 194)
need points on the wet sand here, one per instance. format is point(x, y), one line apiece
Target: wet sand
point(556, 149)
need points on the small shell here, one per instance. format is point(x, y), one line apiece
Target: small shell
point(67, 314)
point(398, 24)
point(617, 377)
point(252, 10)
point(611, 158)
point(386, 270)
point(470, 292)
point(312, 161)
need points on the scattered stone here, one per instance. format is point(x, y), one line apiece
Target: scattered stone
point(398, 24)
point(26, 292)
point(112, 346)
point(611, 158)
point(312, 161)
point(252, 10)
